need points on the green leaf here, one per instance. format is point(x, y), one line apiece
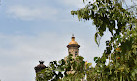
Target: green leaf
point(95, 58)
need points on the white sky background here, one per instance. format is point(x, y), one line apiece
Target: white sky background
point(33, 30)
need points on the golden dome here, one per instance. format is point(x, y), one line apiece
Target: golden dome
point(73, 41)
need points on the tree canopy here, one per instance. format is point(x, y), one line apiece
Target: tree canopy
point(121, 50)
point(70, 69)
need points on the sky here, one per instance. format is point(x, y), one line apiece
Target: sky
point(34, 30)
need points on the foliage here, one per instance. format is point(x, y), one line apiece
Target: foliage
point(70, 69)
point(121, 49)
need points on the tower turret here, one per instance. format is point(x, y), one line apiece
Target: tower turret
point(73, 47)
point(40, 67)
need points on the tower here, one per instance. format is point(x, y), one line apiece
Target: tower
point(73, 47)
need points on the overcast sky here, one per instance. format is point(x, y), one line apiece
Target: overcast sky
point(33, 30)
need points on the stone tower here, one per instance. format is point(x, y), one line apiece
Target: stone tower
point(73, 47)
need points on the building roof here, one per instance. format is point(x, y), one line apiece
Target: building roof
point(40, 67)
point(73, 42)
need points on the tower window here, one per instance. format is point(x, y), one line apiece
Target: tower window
point(76, 53)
